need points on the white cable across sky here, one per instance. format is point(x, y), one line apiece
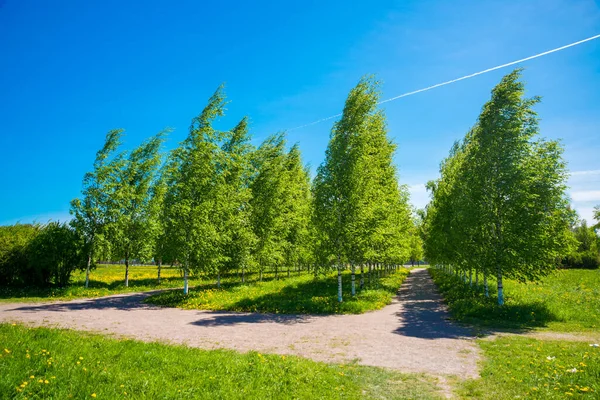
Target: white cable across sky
point(461, 78)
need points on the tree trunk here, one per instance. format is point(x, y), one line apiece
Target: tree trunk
point(476, 278)
point(243, 273)
point(260, 275)
point(288, 268)
point(470, 277)
point(126, 271)
point(362, 276)
point(185, 280)
point(87, 270)
point(218, 280)
point(339, 280)
point(500, 287)
point(353, 268)
point(158, 273)
point(485, 285)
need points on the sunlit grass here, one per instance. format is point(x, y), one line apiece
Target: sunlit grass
point(567, 300)
point(517, 367)
point(297, 295)
point(58, 364)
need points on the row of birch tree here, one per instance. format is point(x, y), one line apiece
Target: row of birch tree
point(216, 204)
point(499, 207)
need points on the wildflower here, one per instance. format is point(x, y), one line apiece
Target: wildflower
point(46, 381)
point(594, 345)
point(574, 370)
point(550, 358)
point(7, 351)
point(32, 377)
point(94, 395)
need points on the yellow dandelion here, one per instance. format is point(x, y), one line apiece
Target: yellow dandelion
point(94, 395)
point(46, 381)
point(7, 351)
point(32, 377)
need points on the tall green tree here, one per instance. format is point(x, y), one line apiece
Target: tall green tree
point(297, 210)
point(236, 195)
point(500, 204)
point(191, 199)
point(131, 204)
point(92, 211)
point(361, 211)
point(269, 203)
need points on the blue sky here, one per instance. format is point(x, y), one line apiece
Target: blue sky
point(72, 70)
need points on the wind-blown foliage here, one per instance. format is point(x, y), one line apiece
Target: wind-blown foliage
point(499, 206)
point(361, 212)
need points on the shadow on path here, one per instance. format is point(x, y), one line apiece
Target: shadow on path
point(423, 314)
point(216, 318)
point(124, 302)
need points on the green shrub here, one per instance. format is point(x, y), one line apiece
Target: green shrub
point(41, 256)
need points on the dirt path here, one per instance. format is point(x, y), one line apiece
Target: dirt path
point(412, 334)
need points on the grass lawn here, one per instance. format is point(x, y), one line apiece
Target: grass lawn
point(296, 295)
point(568, 301)
point(61, 364)
point(104, 280)
point(518, 367)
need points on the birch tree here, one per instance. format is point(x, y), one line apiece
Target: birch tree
point(190, 200)
point(131, 203)
point(91, 212)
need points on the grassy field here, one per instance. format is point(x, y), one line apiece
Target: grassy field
point(296, 295)
point(45, 363)
point(517, 367)
point(568, 301)
point(104, 280)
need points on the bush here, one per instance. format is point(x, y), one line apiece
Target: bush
point(34, 255)
point(14, 244)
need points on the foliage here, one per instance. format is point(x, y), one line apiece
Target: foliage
point(301, 294)
point(39, 255)
point(519, 367)
point(567, 300)
point(51, 363)
point(54, 254)
point(14, 260)
point(361, 213)
point(586, 254)
point(500, 206)
point(92, 212)
point(129, 229)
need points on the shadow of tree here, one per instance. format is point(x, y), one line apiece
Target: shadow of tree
point(468, 305)
point(223, 319)
point(122, 302)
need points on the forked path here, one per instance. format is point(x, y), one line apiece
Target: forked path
point(412, 334)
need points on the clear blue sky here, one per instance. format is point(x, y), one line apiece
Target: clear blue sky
point(72, 70)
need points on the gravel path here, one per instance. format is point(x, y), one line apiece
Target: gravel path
point(412, 334)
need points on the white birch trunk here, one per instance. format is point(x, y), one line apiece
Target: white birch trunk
point(353, 280)
point(185, 280)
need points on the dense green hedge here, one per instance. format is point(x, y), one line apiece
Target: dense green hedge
point(39, 255)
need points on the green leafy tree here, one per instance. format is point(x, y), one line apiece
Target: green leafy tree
point(361, 212)
point(236, 194)
point(297, 210)
point(91, 212)
point(190, 201)
point(131, 220)
point(269, 203)
point(500, 204)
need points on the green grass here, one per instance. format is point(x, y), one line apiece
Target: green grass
point(296, 295)
point(518, 367)
point(59, 364)
point(568, 301)
point(110, 279)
